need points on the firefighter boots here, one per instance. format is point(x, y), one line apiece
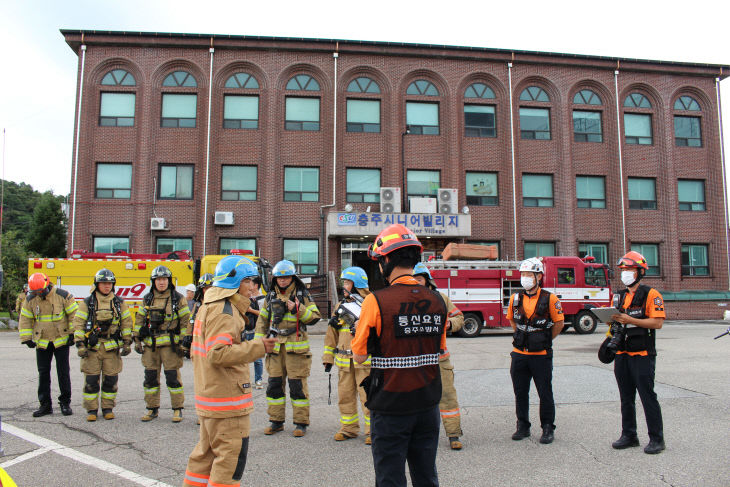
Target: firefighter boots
point(274, 427)
point(91, 416)
point(300, 430)
point(176, 415)
point(149, 415)
point(368, 440)
point(341, 436)
point(108, 413)
point(454, 443)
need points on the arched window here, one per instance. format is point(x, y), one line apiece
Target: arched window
point(179, 107)
point(534, 120)
point(422, 87)
point(687, 127)
point(637, 100)
point(587, 126)
point(363, 114)
point(118, 77)
point(422, 118)
point(241, 111)
point(479, 118)
point(180, 78)
point(302, 112)
point(534, 93)
point(637, 126)
point(116, 109)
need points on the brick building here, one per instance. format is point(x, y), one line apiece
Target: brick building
point(550, 153)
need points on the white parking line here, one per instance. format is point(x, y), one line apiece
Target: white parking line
point(49, 445)
point(24, 457)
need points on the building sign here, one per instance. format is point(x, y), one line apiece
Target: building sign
point(432, 225)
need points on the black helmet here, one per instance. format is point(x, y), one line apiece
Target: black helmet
point(206, 280)
point(160, 271)
point(104, 275)
point(605, 354)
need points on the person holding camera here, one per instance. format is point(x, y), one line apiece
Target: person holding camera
point(536, 316)
point(337, 350)
point(641, 315)
point(287, 311)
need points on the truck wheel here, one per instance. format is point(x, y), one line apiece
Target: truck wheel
point(472, 326)
point(585, 323)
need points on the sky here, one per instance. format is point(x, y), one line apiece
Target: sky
point(38, 80)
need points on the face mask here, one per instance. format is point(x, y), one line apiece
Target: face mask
point(627, 277)
point(527, 282)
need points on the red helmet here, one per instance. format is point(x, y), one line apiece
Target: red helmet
point(633, 259)
point(38, 282)
point(393, 238)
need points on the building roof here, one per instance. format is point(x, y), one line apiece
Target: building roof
point(74, 39)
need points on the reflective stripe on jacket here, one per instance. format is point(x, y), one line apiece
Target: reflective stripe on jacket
point(47, 319)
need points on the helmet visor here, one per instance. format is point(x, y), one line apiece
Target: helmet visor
point(629, 262)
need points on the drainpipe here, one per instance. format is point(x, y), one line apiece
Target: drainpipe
point(76, 151)
point(512, 149)
point(207, 151)
point(325, 240)
point(724, 173)
point(620, 160)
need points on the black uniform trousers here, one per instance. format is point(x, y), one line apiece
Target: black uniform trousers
point(540, 369)
point(401, 438)
point(637, 373)
point(43, 359)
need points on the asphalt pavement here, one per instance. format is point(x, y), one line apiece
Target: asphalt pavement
point(691, 382)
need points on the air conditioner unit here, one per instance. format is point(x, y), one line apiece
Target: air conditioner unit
point(448, 200)
point(223, 218)
point(158, 224)
point(390, 200)
point(422, 205)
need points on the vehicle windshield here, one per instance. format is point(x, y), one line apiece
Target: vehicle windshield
point(595, 276)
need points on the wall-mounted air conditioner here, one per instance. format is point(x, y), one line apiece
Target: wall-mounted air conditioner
point(448, 200)
point(158, 224)
point(390, 200)
point(422, 205)
point(223, 218)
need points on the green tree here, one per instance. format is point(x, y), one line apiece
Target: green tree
point(20, 199)
point(47, 234)
point(15, 266)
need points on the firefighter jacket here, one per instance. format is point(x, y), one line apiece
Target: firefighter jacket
point(19, 302)
point(292, 329)
point(455, 317)
point(646, 302)
point(337, 341)
point(162, 319)
point(103, 322)
point(47, 319)
point(220, 359)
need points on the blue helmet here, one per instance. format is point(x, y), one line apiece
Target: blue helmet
point(421, 270)
point(284, 268)
point(357, 276)
point(233, 269)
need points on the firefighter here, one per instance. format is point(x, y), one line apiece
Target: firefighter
point(337, 350)
point(103, 332)
point(222, 383)
point(160, 323)
point(21, 297)
point(287, 311)
point(536, 316)
point(45, 324)
point(449, 405)
point(642, 313)
point(205, 281)
point(402, 327)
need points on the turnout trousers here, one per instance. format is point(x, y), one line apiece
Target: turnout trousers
point(449, 405)
point(637, 373)
point(153, 361)
point(101, 370)
point(294, 368)
point(539, 368)
point(219, 458)
point(43, 359)
point(348, 392)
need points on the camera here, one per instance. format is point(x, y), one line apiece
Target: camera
point(618, 333)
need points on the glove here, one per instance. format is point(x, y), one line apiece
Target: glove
point(187, 340)
point(30, 344)
point(327, 368)
point(126, 349)
point(138, 347)
point(333, 321)
point(82, 351)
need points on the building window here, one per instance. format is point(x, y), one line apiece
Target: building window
point(363, 115)
point(181, 79)
point(479, 90)
point(479, 121)
point(587, 97)
point(637, 100)
point(422, 87)
point(539, 249)
point(651, 254)
point(117, 110)
point(228, 244)
point(176, 182)
point(482, 189)
point(114, 181)
point(118, 77)
point(109, 245)
point(637, 128)
point(534, 123)
point(179, 110)
point(363, 85)
point(302, 82)
point(587, 126)
point(302, 114)
point(363, 185)
point(423, 183)
point(238, 183)
point(597, 250)
point(590, 191)
point(242, 80)
point(240, 112)
point(537, 190)
point(691, 194)
point(694, 260)
point(172, 244)
point(642, 193)
point(687, 103)
point(304, 254)
point(422, 118)
point(687, 131)
point(301, 184)
point(534, 93)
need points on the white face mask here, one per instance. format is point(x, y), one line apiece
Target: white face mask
point(627, 277)
point(527, 282)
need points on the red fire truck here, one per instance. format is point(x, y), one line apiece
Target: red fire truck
point(481, 289)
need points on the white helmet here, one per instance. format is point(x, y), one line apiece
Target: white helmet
point(533, 264)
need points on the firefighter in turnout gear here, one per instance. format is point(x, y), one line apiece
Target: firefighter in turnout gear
point(19, 300)
point(102, 332)
point(449, 405)
point(402, 328)
point(641, 314)
point(537, 318)
point(222, 383)
point(337, 350)
point(45, 324)
point(285, 314)
point(161, 323)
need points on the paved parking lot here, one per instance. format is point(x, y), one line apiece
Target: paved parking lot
point(693, 384)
